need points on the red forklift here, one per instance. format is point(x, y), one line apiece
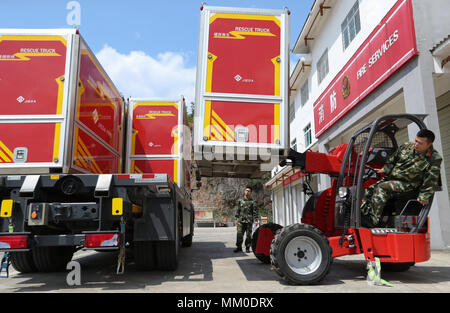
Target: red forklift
point(331, 219)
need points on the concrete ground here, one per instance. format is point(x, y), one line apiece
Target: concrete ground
point(210, 266)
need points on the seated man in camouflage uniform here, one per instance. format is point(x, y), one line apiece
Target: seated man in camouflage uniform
point(246, 214)
point(414, 166)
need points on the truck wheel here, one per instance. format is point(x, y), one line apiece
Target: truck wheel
point(301, 254)
point(23, 262)
point(262, 257)
point(144, 255)
point(167, 255)
point(52, 259)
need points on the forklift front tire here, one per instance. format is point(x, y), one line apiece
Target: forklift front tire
point(301, 254)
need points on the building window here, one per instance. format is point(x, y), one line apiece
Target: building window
point(304, 94)
point(351, 25)
point(291, 112)
point(294, 144)
point(307, 134)
point(322, 66)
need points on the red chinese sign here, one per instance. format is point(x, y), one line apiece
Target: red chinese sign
point(391, 45)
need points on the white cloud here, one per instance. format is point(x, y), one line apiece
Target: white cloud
point(140, 75)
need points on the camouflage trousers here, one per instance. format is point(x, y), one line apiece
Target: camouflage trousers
point(377, 196)
point(244, 228)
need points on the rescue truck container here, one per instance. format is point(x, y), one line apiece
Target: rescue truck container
point(160, 139)
point(62, 186)
point(241, 106)
point(59, 110)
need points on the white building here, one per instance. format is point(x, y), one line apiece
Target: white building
point(363, 59)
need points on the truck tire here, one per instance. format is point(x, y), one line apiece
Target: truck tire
point(262, 257)
point(23, 262)
point(144, 255)
point(301, 254)
point(167, 255)
point(52, 259)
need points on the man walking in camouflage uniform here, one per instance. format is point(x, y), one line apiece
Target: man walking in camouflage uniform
point(245, 215)
point(414, 166)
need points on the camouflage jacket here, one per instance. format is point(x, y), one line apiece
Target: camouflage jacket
point(420, 170)
point(247, 211)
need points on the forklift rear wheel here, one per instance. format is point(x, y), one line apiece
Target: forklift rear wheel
point(301, 254)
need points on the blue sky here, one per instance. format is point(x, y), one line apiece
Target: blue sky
point(134, 37)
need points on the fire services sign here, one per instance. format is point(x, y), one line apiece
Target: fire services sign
point(388, 48)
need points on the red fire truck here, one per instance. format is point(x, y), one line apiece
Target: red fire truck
point(241, 90)
point(63, 181)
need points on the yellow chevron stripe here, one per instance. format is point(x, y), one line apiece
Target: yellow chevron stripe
point(137, 169)
point(5, 148)
point(222, 131)
point(86, 150)
point(229, 131)
point(81, 158)
point(217, 133)
point(4, 158)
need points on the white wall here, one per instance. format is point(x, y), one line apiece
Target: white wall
point(371, 13)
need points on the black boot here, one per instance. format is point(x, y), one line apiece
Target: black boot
point(238, 249)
